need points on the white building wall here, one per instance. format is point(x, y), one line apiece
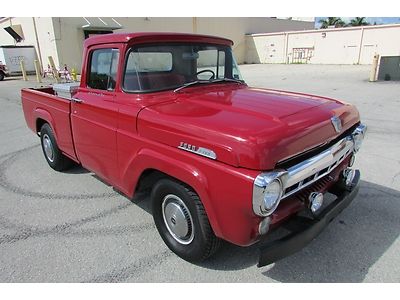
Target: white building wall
point(337, 47)
point(355, 45)
point(267, 50)
point(70, 35)
point(27, 27)
point(45, 38)
point(237, 28)
point(63, 37)
point(386, 43)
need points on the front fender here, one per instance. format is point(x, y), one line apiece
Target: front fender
point(149, 159)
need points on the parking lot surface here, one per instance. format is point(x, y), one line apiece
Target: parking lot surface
point(72, 227)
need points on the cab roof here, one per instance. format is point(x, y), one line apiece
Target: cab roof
point(154, 37)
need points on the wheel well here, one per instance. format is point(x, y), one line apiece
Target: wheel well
point(149, 178)
point(39, 124)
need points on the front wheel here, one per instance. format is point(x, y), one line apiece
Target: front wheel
point(182, 222)
point(52, 153)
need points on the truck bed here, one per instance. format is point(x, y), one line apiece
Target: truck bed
point(41, 105)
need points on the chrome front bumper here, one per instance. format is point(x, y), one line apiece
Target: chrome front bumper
point(308, 171)
point(307, 229)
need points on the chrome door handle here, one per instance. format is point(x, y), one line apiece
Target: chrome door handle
point(76, 100)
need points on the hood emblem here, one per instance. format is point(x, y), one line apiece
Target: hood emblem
point(198, 150)
point(337, 123)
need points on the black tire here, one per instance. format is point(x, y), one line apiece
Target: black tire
point(1, 76)
point(203, 243)
point(56, 160)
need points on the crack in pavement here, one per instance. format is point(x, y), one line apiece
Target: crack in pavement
point(135, 269)
point(19, 151)
point(27, 232)
point(7, 185)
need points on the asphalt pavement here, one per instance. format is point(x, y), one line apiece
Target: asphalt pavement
point(72, 227)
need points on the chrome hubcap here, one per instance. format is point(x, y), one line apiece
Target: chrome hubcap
point(177, 219)
point(48, 148)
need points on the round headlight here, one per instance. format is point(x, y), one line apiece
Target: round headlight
point(267, 192)
point(358, 139)
point(272, 194)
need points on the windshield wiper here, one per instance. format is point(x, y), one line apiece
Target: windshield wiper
point(229, 80)
point(208, 81)
point(190, 84)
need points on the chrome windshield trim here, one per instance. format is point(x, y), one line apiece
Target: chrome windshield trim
point(316, 167)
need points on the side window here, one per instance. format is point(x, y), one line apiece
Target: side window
point(103, 69)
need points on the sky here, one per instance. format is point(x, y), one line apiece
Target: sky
point(371, 20)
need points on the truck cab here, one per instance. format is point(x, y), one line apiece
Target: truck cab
point(170, 114)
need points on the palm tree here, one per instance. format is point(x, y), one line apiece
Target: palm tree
point(358, 21)
point(332, 21)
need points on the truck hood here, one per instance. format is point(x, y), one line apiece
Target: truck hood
point(245, 127)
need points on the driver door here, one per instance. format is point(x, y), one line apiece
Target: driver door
point(94, 113)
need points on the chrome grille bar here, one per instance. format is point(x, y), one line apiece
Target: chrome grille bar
point(316, 167)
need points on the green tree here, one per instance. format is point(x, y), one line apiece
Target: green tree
point(332, 21)
point(358, 21)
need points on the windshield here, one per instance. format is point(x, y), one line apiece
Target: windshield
point(163, 67)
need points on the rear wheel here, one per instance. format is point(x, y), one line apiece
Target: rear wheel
point(1, 76)
point(182, 222)
point(52, 153)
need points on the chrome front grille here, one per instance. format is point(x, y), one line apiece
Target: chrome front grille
point(309, 171)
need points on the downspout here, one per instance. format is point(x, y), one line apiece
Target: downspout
point(286, 47)
point(361, 42)
point(194, 24)
point(37, 44)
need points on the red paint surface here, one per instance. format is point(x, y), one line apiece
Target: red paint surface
point(119, 135)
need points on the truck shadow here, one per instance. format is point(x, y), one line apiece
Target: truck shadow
point(343, 252)
point(76, 169)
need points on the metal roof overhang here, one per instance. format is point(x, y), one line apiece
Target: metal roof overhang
point(97, 23)
point(16, 32)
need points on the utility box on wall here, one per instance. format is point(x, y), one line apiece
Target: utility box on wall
point(12, 55)
point(389, 68)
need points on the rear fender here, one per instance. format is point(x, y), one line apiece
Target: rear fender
point(40, 113)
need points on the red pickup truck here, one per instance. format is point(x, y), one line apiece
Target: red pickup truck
point(169, 114)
